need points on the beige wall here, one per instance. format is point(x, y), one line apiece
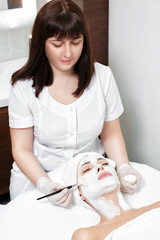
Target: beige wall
point(134, 56)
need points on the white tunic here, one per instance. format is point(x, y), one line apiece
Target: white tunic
point(62, 131)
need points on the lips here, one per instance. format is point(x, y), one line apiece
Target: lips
point(66, 61)
point(104, 175)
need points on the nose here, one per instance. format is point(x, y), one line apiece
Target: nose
point(67, 50)
point(100, 168)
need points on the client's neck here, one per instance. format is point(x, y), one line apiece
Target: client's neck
point(113, 196)
point(117, 200)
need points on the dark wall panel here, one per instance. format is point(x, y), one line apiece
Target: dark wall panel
point(97, 15)
point(6, 159)
point(14, 4)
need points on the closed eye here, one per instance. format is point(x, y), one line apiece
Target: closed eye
point(102, 161)
point(55, 45)
point(86, 170)
point(76, 43)
point(105, 164)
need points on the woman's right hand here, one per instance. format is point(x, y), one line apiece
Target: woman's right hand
point(46, 186)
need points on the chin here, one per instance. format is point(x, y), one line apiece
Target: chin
point(110, 184)
point(112, 188)
point(101, 187)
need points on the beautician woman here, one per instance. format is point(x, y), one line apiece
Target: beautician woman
point(60, 102)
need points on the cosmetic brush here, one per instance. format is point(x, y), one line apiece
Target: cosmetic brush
point(58, 191)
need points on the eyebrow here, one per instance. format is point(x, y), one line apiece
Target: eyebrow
point(78, 37)
point(98, 159)
point(85, 163)
point(56, 40)
point(90, 162)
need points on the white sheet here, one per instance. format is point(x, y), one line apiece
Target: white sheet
point(26, 218)
point(144, 227)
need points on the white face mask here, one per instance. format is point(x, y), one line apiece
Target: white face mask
point(100, 179)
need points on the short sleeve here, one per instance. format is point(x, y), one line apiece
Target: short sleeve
point(114, 107)
point(20, 115)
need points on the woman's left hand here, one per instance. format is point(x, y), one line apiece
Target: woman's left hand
point(126, 176)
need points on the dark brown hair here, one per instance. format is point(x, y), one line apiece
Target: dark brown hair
point(61, 18)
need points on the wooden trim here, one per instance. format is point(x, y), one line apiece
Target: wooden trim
point(4, 110)
point(6, 159)
point(14, 4)
point(97, 16)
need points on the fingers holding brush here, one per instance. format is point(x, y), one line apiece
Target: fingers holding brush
point(62, 199)
point(65, 199)
point(55, 194)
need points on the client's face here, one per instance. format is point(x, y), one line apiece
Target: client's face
point(97, 177)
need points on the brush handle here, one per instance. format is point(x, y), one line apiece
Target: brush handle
point(53, 193)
